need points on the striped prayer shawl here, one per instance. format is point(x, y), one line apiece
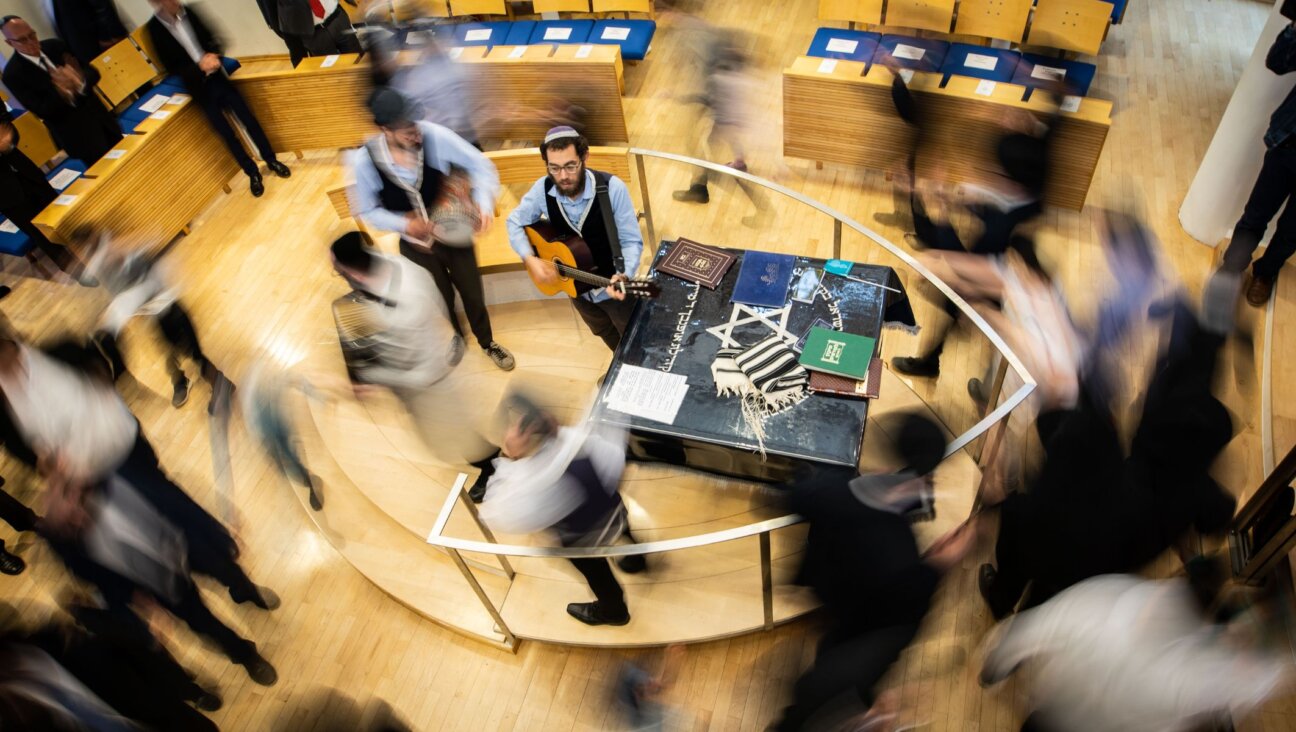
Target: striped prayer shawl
point(765, 376)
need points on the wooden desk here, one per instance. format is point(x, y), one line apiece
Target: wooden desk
point(843, 115)
point(312, 107)
point(167, 176)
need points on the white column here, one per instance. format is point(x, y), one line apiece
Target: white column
point(1223, 182)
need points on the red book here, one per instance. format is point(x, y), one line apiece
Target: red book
point(696, 263)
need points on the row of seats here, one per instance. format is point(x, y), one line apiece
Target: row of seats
point(633, 36)
point(950, 59)
point(14, 242)
point(136, 113)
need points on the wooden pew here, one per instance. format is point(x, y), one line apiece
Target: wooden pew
point(312, 107)
point(843, 115)
point(160, 183)
point(518, 169)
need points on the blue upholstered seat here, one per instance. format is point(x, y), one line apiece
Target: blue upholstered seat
point(919, 54)
point(980, 62)
point(1118, 9)
point(1036, 70)
point(840, 43)
point(638, 35)
point(519, 33)
point(494, 33)
point(561, 31)
point(14, 243)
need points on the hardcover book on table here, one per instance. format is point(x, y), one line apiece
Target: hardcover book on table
point(696, 263)
point(763, 279)
point(834, 352)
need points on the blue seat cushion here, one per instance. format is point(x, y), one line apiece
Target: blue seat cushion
point(850, 45)
point(493, 33)
point(128, 126)
point(14, 243)
point(69, 164)
point(1118, 9)
point(638, 35)
point(562, 31)
point(520, 33)
point(1035, 70)
point(980, 62)
point(231, 64)
point(919, 54)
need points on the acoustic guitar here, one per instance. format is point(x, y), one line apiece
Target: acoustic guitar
point(571, 255)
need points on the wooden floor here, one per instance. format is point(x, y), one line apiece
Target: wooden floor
point(257, 280)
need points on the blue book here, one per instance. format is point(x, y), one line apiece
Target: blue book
point(763, 279)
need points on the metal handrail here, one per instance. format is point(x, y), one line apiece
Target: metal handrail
point(762, 527)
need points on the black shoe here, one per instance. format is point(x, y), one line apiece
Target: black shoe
point(478, 490)
point(279, 169)
point(916, 366)
point(265, 598)
point(11, 563)
point(208, 701)
point(694, 194)
point(591, 613)
point(4, 291)
point(316, 494)
point(986, 576)
point(260, 670)
point(976, 390)
point(181, 394)
point(258, 185)
point(633, 563)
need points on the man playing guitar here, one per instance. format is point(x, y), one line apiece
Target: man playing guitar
point(569, 197)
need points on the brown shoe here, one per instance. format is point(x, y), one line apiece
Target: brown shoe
point(1259, 290)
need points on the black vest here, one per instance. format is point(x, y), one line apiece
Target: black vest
point(394, 196)
point(594, 231)
point(597, 502)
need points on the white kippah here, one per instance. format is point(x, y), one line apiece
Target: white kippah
point(557, 133)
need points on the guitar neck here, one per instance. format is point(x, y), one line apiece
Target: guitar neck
point(583, 276)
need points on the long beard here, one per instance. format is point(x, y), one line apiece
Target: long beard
point(577, 188)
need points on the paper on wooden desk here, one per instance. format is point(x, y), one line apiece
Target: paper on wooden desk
point(584, 50)
point(163, 114)
point(328, 61)
point(827, 66)
point(517, 52)
point(907, 75)
point(155, 103)
point(177, 99)
point(64, 178)
point(647, 393)
point(114, 154)
point(1070, 103)
point(65, 200)
point(456, 52)
point(985, 88)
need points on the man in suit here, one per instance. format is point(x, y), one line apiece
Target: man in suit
point(88, 27)
point(24, 192)
point(48, 81)
point(310, 27)
point(187, 46)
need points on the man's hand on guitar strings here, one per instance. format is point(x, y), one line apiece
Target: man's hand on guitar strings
point(541, 271)
point(615, 292)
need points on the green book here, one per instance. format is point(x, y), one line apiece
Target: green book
point(834, 352)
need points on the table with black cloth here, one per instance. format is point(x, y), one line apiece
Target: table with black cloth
point(709, 432)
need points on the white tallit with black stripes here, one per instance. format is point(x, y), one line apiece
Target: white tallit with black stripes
point(765, 376)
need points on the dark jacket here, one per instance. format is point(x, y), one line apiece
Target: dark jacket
point(83, 24)
point(1282, 60)
point(174, 57)
point(83, 127)
point(24, 191)
point(288, 17)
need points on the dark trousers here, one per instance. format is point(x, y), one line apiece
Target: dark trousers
point(219, 96)
point(455, 268)
point(60, 255)
point(607, 591)
point(191, 609)
point(1275, 186)
point(847, 666)
point(15, 512)
point(334, 35)
point(179, 332)
point(608, 319)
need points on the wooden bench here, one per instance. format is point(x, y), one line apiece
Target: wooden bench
point(518, 169)
point(840, 114)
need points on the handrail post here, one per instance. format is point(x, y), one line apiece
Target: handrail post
point(837, 238)
point(767, 580)
point(647, 204)
point(476, 516)
point(509, 638)
point(1251, 563)
point(992, 399)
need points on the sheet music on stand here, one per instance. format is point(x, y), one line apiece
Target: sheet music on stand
point(647, 393)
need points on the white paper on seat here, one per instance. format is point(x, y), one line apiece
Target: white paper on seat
point(64, 200)
point(114, 154)
point(1070, 104)
point(481, 34)
point(557, 34)
point(827, 66)
point(517, 52)
point(842, 45)
point(907, 75)
point(615, 34)
point(8, 227)
point(981, 61)
point(456, 52)
point(648, 393)
point(177, 99)
point(1048, 73)
point(584, 50)
point(985, 88)
point(160, 115)
point(64, 178)
point(328, 61)
point(913, 53)
point(155, 103)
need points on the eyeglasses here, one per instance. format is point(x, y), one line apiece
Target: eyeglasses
point(25, 38)
point(569, 168)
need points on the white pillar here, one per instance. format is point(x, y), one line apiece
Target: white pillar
point(1223, 182)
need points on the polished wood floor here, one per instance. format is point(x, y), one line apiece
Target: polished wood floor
point(257, 280)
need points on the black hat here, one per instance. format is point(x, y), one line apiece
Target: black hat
point(390, 108)
point(354, 249)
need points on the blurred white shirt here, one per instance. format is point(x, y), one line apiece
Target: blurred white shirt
point(417, 335)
